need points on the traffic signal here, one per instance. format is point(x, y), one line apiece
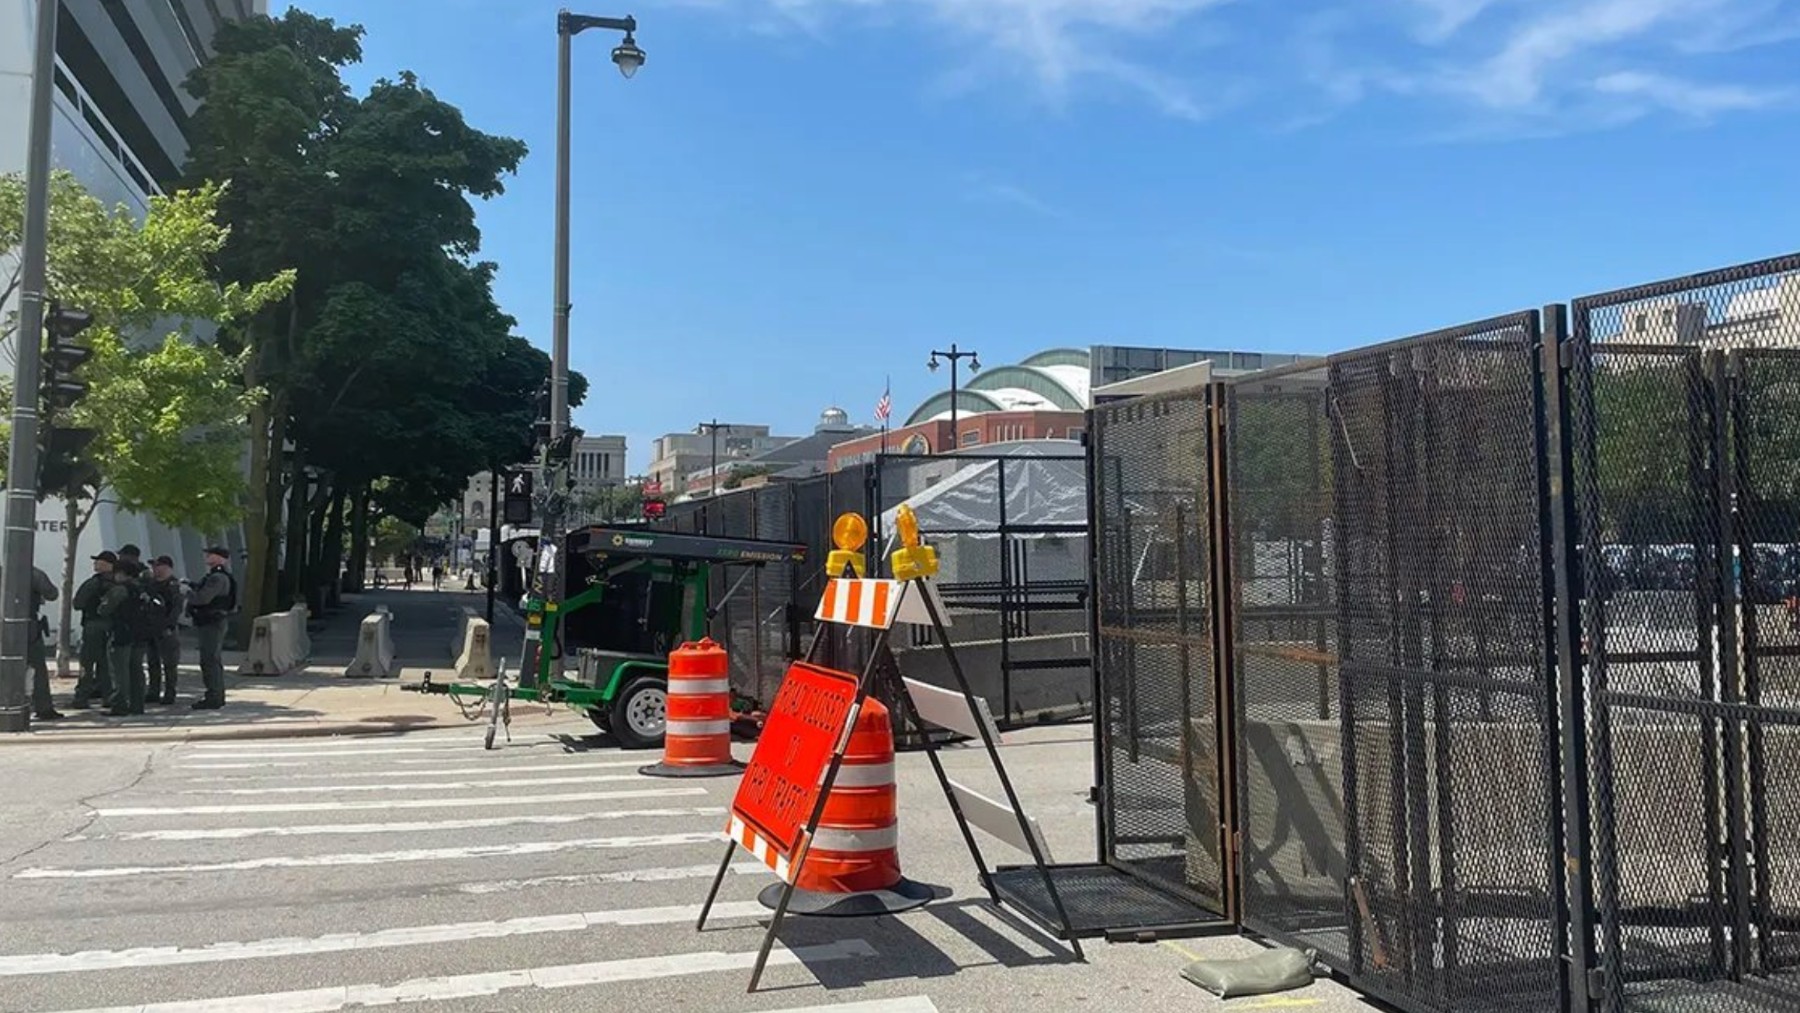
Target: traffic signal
point(63, 356)
point(62, 465)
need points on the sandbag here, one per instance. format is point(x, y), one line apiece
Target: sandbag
point(1276, 970)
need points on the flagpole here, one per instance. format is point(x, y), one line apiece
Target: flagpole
point(886, 392)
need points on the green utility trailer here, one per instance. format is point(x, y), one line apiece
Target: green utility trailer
point(633, 596)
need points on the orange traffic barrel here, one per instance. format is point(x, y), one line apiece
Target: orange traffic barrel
point(852, 867)
point(697, 736)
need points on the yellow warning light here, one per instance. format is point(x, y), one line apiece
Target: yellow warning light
point(908, 524)
point(850, 532)
point(914, 560)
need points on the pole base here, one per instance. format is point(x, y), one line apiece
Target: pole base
point(15, 720)
point(902, 896)
point(731, 769)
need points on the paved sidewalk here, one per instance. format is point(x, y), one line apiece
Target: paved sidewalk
point(319, 700)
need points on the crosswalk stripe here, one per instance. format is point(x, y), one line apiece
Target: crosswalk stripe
point(662, 875)
point(293, 769)
point(472, 986)
point(327, 789)
point(459, 802)
point(364, 742)
point(357, 754)
point(344, 942)
point(376, 857)
point(411, 827)
point(906, 1004)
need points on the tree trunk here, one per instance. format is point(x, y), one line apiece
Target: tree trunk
point(298, 523)
point(256, 512)
point(316, 578)
point(359, 537)
point(72, 524)
point(274, 494)
point(331, 559)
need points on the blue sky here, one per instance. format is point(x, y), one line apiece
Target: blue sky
point(797, 198)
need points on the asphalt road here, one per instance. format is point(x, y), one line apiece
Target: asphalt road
point(422, 871)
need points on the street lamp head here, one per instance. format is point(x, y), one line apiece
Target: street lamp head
point(932, 363)
point(628, 56)
point(974, 364)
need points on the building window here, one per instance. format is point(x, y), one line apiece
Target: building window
point(1074, 433)
point(1643, 322)
point(971, 438)
point(1668, 316)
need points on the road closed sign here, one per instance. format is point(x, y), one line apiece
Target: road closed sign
point(780, 789)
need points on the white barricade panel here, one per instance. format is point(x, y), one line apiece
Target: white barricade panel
point(949, 709)
point(374, 648)
point(999, 819)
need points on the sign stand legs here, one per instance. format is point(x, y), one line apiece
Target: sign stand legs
point(1012, 796)
point(718, 881)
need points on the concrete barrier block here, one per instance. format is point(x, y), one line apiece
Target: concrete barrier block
point(302, 637)
point(476, 659)
point(374, 648)
point(463, 615)
point(275, 645)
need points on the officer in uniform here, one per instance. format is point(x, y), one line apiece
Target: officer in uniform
point(140, 651)
point(43, 590)
point(214, 600)
point(118, 608)
point(165, 649)
point(96, 633)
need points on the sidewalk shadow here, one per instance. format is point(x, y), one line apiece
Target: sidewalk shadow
point(180, 714)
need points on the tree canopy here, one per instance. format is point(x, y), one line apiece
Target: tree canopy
point(390, 375)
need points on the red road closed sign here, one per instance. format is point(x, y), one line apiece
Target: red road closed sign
point(781, 786)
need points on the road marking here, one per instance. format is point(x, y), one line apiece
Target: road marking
point(473, 747)
point(377, 857)
point(474, 986)
point(398, 803)
point(1280, 1002)
point(363, 742)
point(323, 772)
point(600, 878)
point(908, 1004)
point(344, 942)
point(413, 827)
point(327, 789)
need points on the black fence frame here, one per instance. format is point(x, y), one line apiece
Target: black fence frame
point(1567, 917)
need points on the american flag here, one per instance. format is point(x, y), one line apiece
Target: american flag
point(885, 406)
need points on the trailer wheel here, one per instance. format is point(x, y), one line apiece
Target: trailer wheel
point(601, 719)
point(641, 713)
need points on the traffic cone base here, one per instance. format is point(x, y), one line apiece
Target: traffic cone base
point(902, 896)
point(679, 770)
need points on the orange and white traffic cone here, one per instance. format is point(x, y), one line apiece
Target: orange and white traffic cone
point(852, 867)
point(697, 736)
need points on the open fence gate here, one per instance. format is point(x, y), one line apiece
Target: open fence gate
point(1470, 661)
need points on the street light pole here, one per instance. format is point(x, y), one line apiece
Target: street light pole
point(547, 587)
point(955, 356)
point(21, 486)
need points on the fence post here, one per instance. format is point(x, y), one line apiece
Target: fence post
point(1101, 796)
point(1582, 982)
point(1223, 617)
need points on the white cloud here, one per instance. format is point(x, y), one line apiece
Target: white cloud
point(1056, 45)
point(1535, 66)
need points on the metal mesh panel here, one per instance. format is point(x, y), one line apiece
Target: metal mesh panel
point(1153, 650)
point(1290, 755)
point(1685, 399)
point(1011, 538)
point(1438, 538)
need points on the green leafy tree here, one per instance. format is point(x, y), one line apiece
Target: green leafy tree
point(168, 410)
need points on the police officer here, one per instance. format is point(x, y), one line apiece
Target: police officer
point(43, 590)
point(214, 601)
point(96, 633)
point(119, 608)
point(140, 652)
point(165, 649)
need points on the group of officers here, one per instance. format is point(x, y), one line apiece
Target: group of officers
point(130, 616)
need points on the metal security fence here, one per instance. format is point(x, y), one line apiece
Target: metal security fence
point(1010, 530)
point(1505, 621)
point(1158, 729)
point(1686, 428)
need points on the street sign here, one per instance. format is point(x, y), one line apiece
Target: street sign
point(653, 488)
point(780, 789)
point(516, 508)
point(654, 508)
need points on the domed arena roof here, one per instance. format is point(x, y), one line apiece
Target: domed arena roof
point(1052, 380)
